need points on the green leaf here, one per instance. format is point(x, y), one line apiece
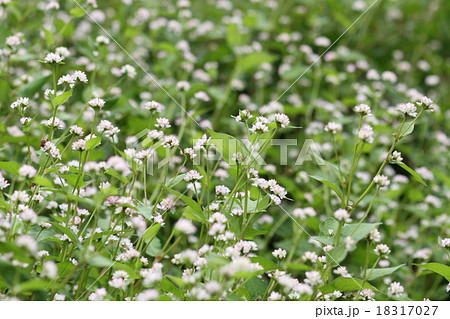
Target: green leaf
point(30, 89)
point(438, 268)
point(328, 223)
point(42, 181)
point(380, 272)
point(10, 167)
point(330, 184)
point(33, 285)
point(256, 287)
point(77, 12)
point(408, 129)
point(66, 231)
point(93, 143)
point(324, 236)
point(338, 254)
point(197, 210)
point(100, 261)
point(361, 231)
point(227, 145)
point(234, 37)
point(49, 37)
point(175, 181)
point(253, 60)
point(26, 128)
point(73, 180)
point(130, 271)
point(266, 263)
point(120, 177)
point(151, 232)
point(154, 248)
point(169, 287)
point(346, 284)
point(251, 233)
point(296, 266)
point(62, 98)
point(414, 174)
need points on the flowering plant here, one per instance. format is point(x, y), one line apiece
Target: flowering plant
point(170, 151)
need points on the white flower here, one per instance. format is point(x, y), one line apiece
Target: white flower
point(58, 297)
point(20, 196)
point(341, 214)
point(189, 152)
point(275, 296)
point(80, 76)
point(349, 242)
point(119, 279)
point(333, 127)
point(237, 212)
point(185, 226)
point(279, 253)
point(362, 109)
point(20, 102)
point(76, 130)
point(128, 70)
point(155, 135)
point(153, 106)
point(381, 180)
point(147, 295)
point(425, 102)
point(396, 289)
point(313, 278)
point(96, 103)
point(183, 86)
point(200, 95)
point(310, 256)
point(28, 215)
point(375, 235)
point(170, 141)
point(222, 190)
point(407, 109)
point(304, 213)
point(119, 164)
point(79, 145)
point(240, 264)
point(389, 76)
point(368, 293)
point(13, 41)
point(68, 79)
point(101, 39)
point(98, 295)
point(259, 127)
point(366, 133)
point(53, 58)
point(396, 157)
point(25, 120)
point(216, 228)
point(55, 122)
point(382, 249)
point(27, 171)
point(282, 119)
point(62, 51)
point(27, 242)
point(51, 149)
point(3, 183)
point(445, 242)
point(162, 122)
point(192, 175)
point(49, 269)
point(217, 217)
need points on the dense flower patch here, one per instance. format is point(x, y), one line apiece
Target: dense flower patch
point(224, 150)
